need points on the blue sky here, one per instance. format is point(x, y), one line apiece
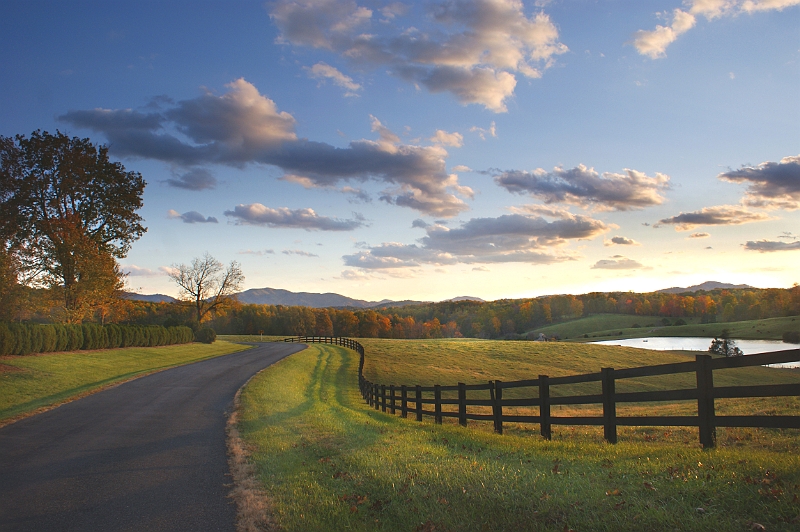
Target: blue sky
point(429, 150)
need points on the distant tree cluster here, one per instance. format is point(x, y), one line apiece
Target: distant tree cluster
point(474, 319)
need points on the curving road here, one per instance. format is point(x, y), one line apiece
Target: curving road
point(149, 454)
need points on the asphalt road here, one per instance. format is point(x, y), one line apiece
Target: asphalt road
point(148, 455)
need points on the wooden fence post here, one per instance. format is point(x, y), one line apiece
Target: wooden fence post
point(609, 405)
point(383, 398)
point(544, 406)
point(404, 401)
point(419, 402)
point(705, 401)
point(375, 391)
point(497, 406)
point(437, 404)
point(462, 404)
point(391, 399)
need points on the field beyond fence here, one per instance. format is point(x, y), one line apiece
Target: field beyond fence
point(530, 401)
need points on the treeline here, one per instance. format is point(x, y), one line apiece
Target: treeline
point(28, 338)
point(496, 319)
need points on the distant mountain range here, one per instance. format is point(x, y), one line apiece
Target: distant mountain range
point(708, 285)
point(277, 296)
point(152, 298)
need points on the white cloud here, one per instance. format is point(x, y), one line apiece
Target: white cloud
point(585, 187)
point(137, 271)
point(509, 238)
point(619, 263)
point(448, 139)
point(299, 252)
point(766, 246)
point(717, 215)
point(191, 217)
point(771, 185)
point(492, 131)
point(621, 241)
point(243, 127)
point(471, 48)
point(699, 235)
point(258, 214)
point(654, 43)
point(324, 71)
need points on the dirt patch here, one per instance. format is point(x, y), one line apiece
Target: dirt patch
point(253, 508)
point(5, 368)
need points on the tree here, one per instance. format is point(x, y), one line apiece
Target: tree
point(207, 283)
point(66, 213)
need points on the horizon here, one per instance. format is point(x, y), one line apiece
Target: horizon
point(383, 150)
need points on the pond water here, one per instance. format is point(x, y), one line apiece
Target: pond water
point(677, 343)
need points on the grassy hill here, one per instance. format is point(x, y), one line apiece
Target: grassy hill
point(329, 462)
point(608, 326)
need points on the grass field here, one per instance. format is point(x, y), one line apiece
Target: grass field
point(30, 383)
point(613, 326)
point(329, 462)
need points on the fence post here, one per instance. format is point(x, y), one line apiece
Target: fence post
point(462, 404)
point(404, 401)
point(705, 401)
point(375, 391)
point(437, 404)
point(497, 406)
point(391, 399)
point(383, 398)
point(609, 405)
point(419, 402)
point(544, 406)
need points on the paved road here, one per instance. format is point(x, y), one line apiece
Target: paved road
point(149, 454)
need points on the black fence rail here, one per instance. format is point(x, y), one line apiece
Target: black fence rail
point(462, 399)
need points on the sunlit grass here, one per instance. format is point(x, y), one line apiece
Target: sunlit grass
point(617, 326)
point(28, 383)
point(329, 462)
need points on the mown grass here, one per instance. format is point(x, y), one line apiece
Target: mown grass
point(29, 383)
point(615, 326)
point(329, 462)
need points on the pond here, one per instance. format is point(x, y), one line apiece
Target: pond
point(689, 343)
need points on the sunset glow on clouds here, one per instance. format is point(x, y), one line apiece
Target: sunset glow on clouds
point(495, 148)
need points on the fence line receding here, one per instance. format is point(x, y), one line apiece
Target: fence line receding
point(421, 401)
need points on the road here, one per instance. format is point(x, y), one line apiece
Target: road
point(149, 454)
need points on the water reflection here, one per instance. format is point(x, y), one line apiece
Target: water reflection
point(690, 343)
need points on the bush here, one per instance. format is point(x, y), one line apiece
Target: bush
point(207, 335)
point(680, 321)
point(791, 337)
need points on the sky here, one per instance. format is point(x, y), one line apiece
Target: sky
point(429, 150)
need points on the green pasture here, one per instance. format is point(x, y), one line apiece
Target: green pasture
point(28, 383)
point(613, 326)
point(329, 462)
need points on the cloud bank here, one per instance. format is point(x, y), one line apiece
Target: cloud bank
point(243, 127)
point(509, 238)
point(472, 49)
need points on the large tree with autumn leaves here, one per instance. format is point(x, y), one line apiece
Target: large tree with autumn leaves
point(67, 213)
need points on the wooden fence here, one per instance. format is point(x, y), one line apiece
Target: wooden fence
point(418, 400)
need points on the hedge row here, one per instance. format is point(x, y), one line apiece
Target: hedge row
point(27, 338)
